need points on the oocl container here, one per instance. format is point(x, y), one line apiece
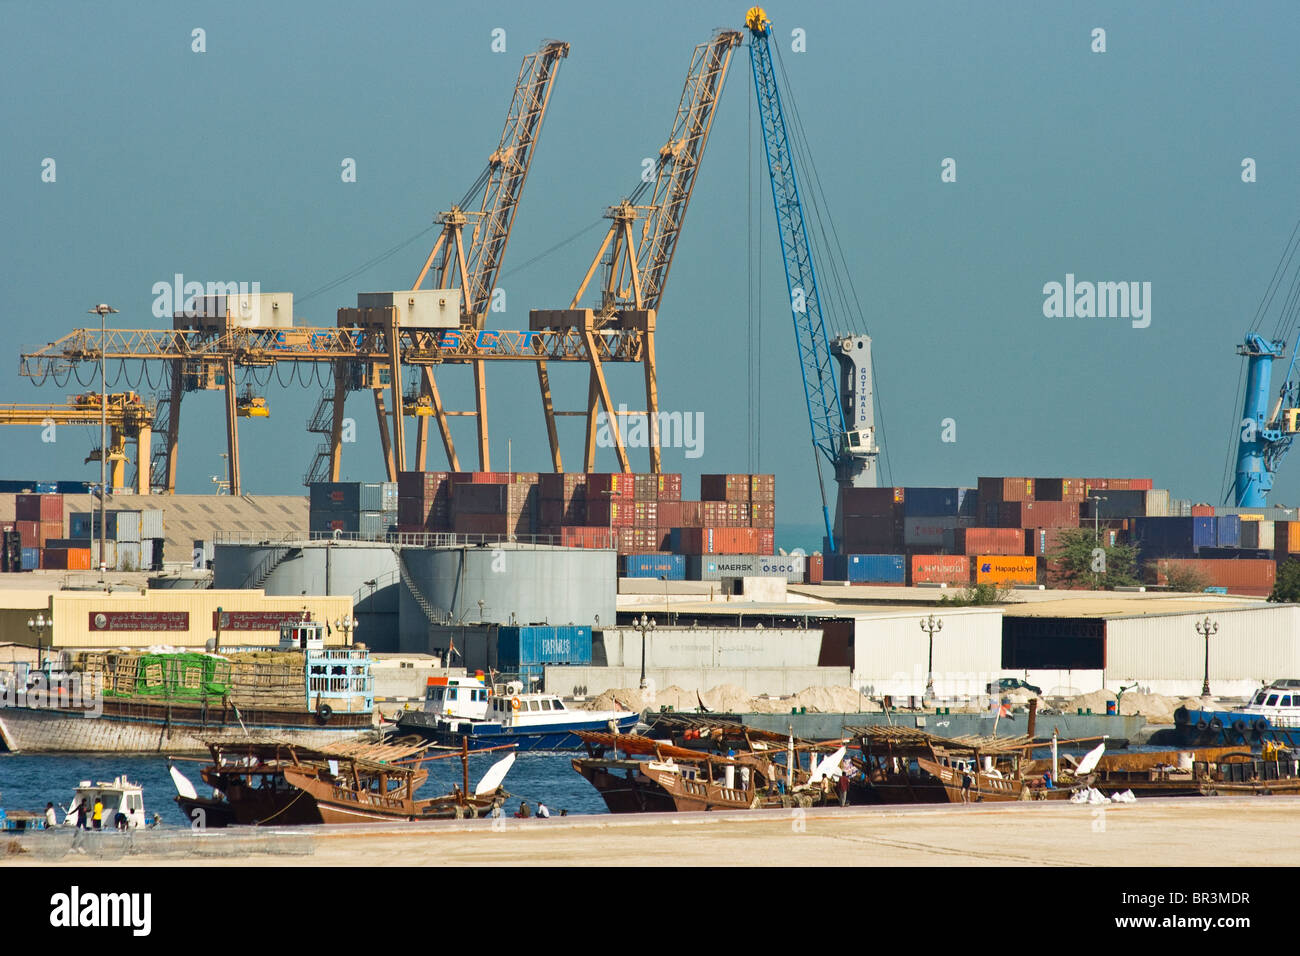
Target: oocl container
point(716, 567)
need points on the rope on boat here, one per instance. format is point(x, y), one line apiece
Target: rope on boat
point(280, 811)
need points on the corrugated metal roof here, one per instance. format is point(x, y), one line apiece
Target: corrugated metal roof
point(187, 518)
point(1138, 605)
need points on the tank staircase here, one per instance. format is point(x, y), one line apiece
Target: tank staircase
point(266, 567)
point(321, 423)
point(430, 613)
point(158, 457)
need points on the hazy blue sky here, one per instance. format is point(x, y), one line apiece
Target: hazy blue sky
point(1119, 166)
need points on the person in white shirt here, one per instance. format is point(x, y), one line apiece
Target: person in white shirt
point(51, 820)
point(542, 812)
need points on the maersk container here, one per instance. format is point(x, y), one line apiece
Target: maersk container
point(930, 502)
point(669, 566)
point(1227, 531)
point(710, 567)
point(521, 646)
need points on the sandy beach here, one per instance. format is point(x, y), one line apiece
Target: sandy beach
point(1154, 832)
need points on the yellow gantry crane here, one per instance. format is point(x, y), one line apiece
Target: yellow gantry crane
point(455, 264)
point(368, 348)
point(636, 266)
point(129, 418)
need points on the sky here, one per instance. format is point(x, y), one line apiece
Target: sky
point(1117, 166)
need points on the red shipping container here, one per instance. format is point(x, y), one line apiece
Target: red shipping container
point(626, 540)
point(1141, 484)
point(617, 484)
point(670, 514)
point(1202, 511)
point(550, 514)
point(692, 515)
point(670, 487)
point(1230, 573)
point(1038, 514)
point(645, 487)
point(38, 507)
point(645, 514)
point(29, 532)
point(616, 513)
point(719, 540)
point(563, 487)
point(871, 502)
point(522, 477)
point(762, 487)
point(645, 540)
point(724, 487)
point(1001, 541)
point(814, 569)
point(763, 514)
point(940, 569)
point(1040, 542)
point(766, 540)
point(54, 559)
point(1005, 489)
point(421, 484)
point(586, 536)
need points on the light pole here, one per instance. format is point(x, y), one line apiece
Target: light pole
point(347, 625)
point(1096, 525)
point(37, 626)
point(930, 625)
point(102, 311)
point(643, 625)
point(1205, 629)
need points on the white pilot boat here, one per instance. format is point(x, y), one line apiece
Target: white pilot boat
point(120, 797)
point(467, 709)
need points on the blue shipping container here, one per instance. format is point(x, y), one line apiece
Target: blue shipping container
point(1173, 537)
point(930, 502)
point(670, 566)
point(865, 568)
point(31, 559)
point(1227, 531)
point(967, 503)
point(518, 646)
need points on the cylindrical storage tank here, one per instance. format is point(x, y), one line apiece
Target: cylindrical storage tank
point(509, 583)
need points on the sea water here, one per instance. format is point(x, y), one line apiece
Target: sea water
point(29, 781)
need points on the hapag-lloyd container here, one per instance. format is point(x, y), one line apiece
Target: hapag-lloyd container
point(1004, 569)
point(940, 568)
point(538, 644)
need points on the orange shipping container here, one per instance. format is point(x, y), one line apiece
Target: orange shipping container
point(719, 540)
point(1004, 569)
point(78, 559)
point(940, 568)
point(1286, 536)
point(1230, 573)
point(1006, 541)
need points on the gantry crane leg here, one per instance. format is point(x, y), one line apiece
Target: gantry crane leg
point(174, 425)
point(336, 418)
point(232, 428)
point(548, 408)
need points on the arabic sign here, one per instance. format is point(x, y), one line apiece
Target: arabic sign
point(255, 620)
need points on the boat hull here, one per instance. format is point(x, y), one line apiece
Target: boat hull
point(153, 730)
point(1201, 728)
point(554, 737)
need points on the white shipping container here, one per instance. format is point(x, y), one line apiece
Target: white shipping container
point(110, 554)
point(128, 555)
point(128, 526)
point(922, 531)
point(1158, 503)
point(151, 524)
point(1266, 535)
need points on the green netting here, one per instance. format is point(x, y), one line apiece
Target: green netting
point(176, 676)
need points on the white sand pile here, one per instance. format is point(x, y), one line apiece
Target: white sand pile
point(1156, 708)
point(730, 699)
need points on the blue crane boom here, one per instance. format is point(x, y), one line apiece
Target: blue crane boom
point(1266, 433)
point(828, 373)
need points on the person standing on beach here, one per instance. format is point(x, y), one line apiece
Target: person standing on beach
point(99, 812)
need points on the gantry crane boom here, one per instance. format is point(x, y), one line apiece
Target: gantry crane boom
point(636, 271)
point(125, 413)
point(850, 451)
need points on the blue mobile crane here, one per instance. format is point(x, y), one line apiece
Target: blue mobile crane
point(841, 407)
point(1270, 419)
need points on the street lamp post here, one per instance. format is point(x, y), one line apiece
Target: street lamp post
point(1096, 524)
point(930, 625)
point(347, 625)
point(643, 625)
point(1205, 629)
point(103, 311)
point(37, 626)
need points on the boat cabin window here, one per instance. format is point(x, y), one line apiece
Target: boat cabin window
point(533, 705)
point(1286, 701)
point(1259, 698)
point(558, 705)
point(1272, 700)
point(546, 704)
